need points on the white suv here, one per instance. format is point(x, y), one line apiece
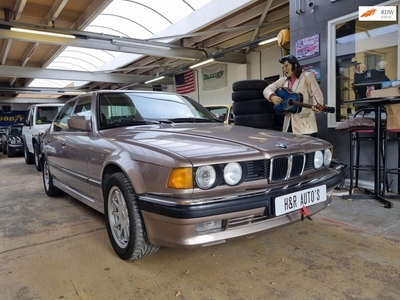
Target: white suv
point(38, 118)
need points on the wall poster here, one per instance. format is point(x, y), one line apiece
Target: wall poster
point(307, 47)
point(315, 69)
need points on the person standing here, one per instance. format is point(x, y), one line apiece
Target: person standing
point(299, 81)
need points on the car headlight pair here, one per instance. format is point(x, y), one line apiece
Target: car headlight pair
point(207, 176)
point(14, 142)
point(322, 158)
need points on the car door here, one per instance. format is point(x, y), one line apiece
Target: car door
point(69, 159)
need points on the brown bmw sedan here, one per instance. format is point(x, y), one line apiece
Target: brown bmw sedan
point(166, 172)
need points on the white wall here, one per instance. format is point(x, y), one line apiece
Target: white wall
point(269, 58)
point(259, 65)
point(223, 95)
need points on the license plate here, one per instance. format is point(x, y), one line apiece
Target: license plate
point(295, 201)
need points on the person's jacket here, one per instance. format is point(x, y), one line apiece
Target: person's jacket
point(303, 122)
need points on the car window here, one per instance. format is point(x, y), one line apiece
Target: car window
point(61, 124)
point(219, 112)
point(83, 107)
point(46, 114)
point(29, 116)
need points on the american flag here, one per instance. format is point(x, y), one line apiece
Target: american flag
point(185, 82)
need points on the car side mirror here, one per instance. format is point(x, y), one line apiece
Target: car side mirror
point(27, 123)
point(79, 123)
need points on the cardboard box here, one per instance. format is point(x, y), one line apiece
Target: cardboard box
point(388, 92)
point(393, 116)
point(387, 84)
point(392, 110)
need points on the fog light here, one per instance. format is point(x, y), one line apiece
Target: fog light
point(209, 225)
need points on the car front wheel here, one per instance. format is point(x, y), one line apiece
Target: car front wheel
point(36, 149)
point(29, 158)
point(9, 153)
point(49, 188)
point(124, 221)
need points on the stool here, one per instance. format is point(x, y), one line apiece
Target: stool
point(391, 135)
point(358, 135)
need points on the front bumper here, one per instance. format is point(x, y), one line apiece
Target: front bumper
point(15, 148)
point(174, 225)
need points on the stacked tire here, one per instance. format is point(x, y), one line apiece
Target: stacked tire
point(250, 107)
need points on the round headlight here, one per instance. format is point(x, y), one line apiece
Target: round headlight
point(205, 177)
point(327, 157)
point(318, 159)
point(233, 173)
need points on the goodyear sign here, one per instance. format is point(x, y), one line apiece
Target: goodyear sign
point(7, 119)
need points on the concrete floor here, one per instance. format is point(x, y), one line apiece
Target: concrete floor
point(57, 248)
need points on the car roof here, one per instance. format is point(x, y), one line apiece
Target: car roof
point(46, 105)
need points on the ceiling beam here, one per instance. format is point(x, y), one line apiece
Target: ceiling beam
point(108, 43)
point(27, 72)
point(44, 90)
point(30, 100)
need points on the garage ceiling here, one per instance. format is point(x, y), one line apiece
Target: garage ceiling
point(226, 36)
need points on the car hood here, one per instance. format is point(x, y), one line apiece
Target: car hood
point(215, 140)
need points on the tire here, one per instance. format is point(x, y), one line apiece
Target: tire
point(251, 84)
point(264, 121)
point(249, 107)
point(36, 155)
point(247, 95)
point(9, 154)
point(4, 149)
point(49, 188)
point(278, 122)
point(29, 157)
point(121, 210)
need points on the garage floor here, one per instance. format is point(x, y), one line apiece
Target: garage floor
point(57, 248)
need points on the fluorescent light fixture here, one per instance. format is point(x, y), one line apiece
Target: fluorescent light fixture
point(139, 44)
point(155, 79)
point(202, 63)
point(68, 36)
point(268, 41)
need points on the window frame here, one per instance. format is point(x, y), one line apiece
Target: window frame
point(331, 59)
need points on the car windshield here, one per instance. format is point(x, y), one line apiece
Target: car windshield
point(147, 107)
point(15, 130)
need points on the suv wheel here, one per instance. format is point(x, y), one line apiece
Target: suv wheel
point(29, 157)
point(37, 158)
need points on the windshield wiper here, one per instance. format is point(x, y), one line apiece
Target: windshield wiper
point(121, 123)
point(191, 120)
